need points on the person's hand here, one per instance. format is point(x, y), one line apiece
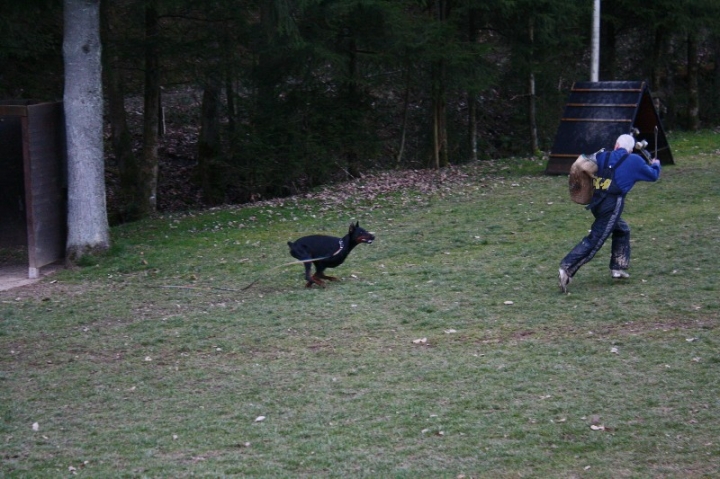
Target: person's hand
point(655, 162)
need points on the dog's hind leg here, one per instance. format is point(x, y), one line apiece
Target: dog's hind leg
point(298, 252)
point(312, 279)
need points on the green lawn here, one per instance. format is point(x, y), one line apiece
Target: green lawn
point(447, 350)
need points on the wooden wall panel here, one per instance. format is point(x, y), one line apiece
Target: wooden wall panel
point(44, 180)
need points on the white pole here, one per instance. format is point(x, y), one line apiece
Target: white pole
point(595, 57)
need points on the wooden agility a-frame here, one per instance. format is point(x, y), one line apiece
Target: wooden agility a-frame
point(596, 113)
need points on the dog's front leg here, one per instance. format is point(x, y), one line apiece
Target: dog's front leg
point(321, 275)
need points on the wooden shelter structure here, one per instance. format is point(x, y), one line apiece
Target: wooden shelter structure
point(596, 113)
point(33, 213)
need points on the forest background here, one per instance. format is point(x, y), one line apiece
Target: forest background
point(230, 101)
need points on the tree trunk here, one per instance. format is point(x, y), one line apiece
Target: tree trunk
point(120, 137)
point(532, 116)
point(148, 179)
point(405, 115)
point(264, 68)
point(352, 103)
point(209, 145)
point(670, 119)
point(693, 110)
point(440, 153)
point(716, 79)
point(230, 99)
point(608, 52)
point(472, 126)
point(532, 107)
point(88, 229)
point(658, 65)
point(472, 97)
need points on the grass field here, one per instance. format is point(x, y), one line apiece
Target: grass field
point(446, 351)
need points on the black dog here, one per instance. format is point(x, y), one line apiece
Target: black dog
point(327, 251)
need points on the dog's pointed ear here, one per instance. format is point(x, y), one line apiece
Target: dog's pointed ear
point(352, 228)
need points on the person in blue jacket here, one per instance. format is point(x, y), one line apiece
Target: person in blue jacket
point(618, 171)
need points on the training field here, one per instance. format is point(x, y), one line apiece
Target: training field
point(446, 350)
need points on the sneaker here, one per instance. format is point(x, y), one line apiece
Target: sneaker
point(620, 274)
point(563, 280)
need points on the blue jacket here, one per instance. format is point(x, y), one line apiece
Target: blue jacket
point(632, 170)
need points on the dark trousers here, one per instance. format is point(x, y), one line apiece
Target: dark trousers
point(607, 223)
